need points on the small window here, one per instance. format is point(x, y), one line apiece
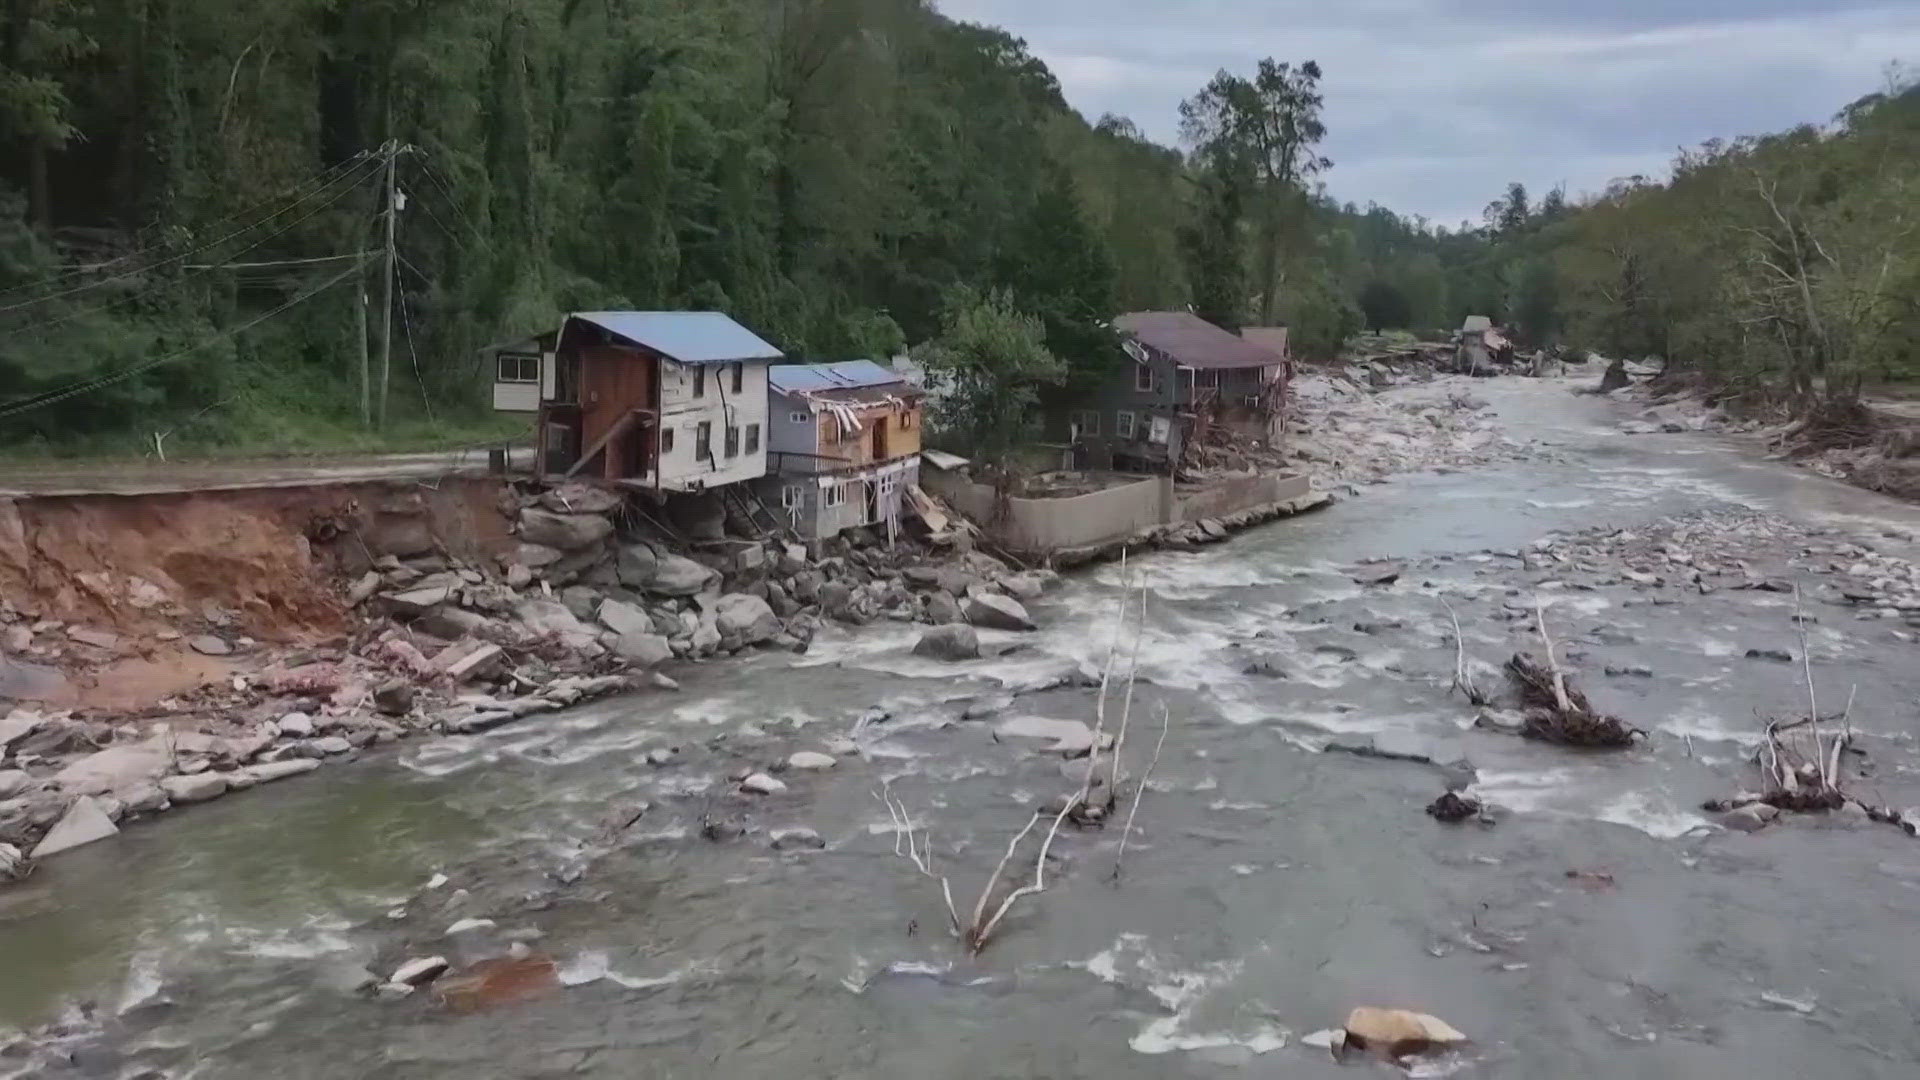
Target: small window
point(699, 381)
point(666, 441)
point(739, 377)
point(733, 441)
point(792, 496)
point(1143, 378)
point(800, 417)
point(834, 495)
point(703, 441)
point(515, 368)
point(753, 438)
point(1123, 425)
point(906, 420)
point(1086, 424)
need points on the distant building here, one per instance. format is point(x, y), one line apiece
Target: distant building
point(843, 445)
point(672, 401)
point(1183, 374)
point(1481, 344)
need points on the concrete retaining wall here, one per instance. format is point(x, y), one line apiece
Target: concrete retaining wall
point(1046, 524)
point(1042, 525)
point(1239, 493)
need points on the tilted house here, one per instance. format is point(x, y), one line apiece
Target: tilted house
point(671, 401)
point(843, 445)
point(1184, 372)
point(1482, 344)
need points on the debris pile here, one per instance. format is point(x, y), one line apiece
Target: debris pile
point(1342, 433)
point(1558, 713)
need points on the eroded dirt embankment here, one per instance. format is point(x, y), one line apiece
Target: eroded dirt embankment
point(112, 589)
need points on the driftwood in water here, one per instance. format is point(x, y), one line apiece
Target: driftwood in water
point(1556, 712)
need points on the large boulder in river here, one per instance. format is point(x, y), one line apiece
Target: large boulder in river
point(544, 618)
point(114, 768)
point(746, 617)
point(578, 498)
point(636, 564)
point(624, 618)
point(997, 612)
point(955, 641)
point(677, 575)
point(565, 532)
point(942, 608)
point(643, 650)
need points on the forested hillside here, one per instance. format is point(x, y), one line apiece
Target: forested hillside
point(193, 226)
point(825, 170)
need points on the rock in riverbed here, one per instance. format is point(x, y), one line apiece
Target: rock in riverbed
point(954, 641)
point(810, 761)
point(420, 972)
point(1397, 1032)
point(84, 822)
point(201, 787)
point(996, 612)
point(762, 784)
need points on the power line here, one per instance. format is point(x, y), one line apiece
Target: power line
point(407, 323)
point(255, 208)
point(196, 250)
point(433, 174)
point(80, 313)
point(271, 263)
point(55, 396)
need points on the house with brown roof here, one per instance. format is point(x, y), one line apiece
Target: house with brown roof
point(1183, 373)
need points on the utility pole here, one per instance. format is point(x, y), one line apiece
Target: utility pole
point(386, 306)
point(360, 319)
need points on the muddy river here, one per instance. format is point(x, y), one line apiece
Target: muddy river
point(1269, 887)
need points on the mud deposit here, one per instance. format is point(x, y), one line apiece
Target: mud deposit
point(1602, 926)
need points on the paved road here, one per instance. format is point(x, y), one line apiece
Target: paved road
point(146, 478)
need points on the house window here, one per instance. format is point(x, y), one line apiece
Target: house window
point(792, 496)
point(1143, 378)
point(1123, 424)
point(834, 495)
point(739, 377)
point(515, 368)
point(800, 417)
point(906, 420)
point(733, 441)
point(753, 438)
point(703, 441)
point(666, 441)
point(1086, 424)
point(699, 381)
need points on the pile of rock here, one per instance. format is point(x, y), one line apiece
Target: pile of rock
point(1339, 434)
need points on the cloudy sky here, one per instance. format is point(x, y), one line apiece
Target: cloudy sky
point(1434, 105)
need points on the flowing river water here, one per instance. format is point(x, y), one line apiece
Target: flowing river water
point(1268, 887)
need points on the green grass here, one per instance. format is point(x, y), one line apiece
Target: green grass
point(258, 435)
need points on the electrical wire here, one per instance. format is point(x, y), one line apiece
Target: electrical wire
point(207, 246)
point(407, 324)
point(432, 173)
point(53, 397)
point(80, 313)
point(236, 215)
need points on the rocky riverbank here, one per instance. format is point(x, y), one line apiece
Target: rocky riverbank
point(575, 609)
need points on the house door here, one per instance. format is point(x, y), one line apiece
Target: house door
point(880, 439)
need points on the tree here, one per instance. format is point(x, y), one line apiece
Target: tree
point(1056, 268)
point(1385, 306)
point(989, 362)
point(1258, 136)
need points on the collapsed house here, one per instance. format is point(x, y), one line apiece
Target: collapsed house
point(843, 448)
point(1186, 377)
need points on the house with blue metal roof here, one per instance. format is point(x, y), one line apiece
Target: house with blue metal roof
point(843, 446)
point(671, 401)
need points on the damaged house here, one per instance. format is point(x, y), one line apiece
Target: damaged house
point(843, 446)
point(666, 401)
point(1481, 344)
point(1185, 374)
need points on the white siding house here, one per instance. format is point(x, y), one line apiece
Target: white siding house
point(713, 423)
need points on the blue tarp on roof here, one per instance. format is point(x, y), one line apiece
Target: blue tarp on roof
point(846, 375)
point(691, 337)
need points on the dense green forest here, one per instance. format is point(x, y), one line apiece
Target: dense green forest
point(193, 218)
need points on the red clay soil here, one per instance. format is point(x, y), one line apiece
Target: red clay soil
point(265, 563)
